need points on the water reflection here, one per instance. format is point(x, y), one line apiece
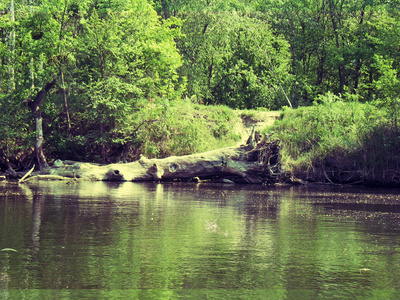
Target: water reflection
point(168, 241)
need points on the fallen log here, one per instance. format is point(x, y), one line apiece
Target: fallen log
point(256, 162)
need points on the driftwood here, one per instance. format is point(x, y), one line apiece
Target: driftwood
point(256, 162)
point(26, 175)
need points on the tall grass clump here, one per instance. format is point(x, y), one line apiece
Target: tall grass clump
point(339, 142)
point(182, 127)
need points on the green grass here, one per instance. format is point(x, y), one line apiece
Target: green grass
point(186, 128)
point(341, 142)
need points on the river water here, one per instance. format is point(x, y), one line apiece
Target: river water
point(99, 240)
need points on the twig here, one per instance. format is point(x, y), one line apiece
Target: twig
point(326, 175)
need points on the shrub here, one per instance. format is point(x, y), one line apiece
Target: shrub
point(185, 128)
point(339, 141)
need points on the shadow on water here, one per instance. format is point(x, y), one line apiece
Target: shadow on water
point(389, 208)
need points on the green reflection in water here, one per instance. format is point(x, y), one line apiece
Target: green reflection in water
point(166, 241)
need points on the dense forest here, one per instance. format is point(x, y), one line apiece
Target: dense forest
point(106, 81)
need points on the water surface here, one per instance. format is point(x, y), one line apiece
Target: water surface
point(99, 240)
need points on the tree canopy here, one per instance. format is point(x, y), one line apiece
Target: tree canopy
point(107, 59)
point(120, 66)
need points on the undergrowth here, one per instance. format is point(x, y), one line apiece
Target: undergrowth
point(155, 129)
point(339, 142)
point(181, 128)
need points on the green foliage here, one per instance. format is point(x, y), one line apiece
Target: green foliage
point(168, 8)
point(343, 141)
point(124, 56)
point(133, 45)
point(122, 71)
point(387, 88)
point(333, 43)
point(332, 46)
point(180, 128)
point(157, 129)
point(16, 140)
point(233, 59)
point(111, 56)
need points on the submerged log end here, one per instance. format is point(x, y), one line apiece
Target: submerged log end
point(114, 175)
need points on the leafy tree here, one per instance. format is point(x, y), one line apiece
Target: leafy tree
point(124, 57)
point(232, 58)
point(45, 36)
point(22, 57)
point(329, 44)
point(108, 56)
point(388, 88)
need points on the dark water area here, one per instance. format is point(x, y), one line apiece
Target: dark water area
point(99, 240)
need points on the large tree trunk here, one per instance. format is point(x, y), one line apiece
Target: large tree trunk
point(34, 105)
point(41, 159)
point(256, 162)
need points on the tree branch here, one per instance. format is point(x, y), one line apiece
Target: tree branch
point(34, 104)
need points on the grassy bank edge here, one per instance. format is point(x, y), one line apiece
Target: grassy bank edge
point(339, 142)
point(333, 141)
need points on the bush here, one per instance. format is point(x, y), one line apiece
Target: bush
point(339, 142)
point(182, 127)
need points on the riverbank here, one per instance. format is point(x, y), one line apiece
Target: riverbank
point(179, 128)
point(340, 142)
point(332, 142)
